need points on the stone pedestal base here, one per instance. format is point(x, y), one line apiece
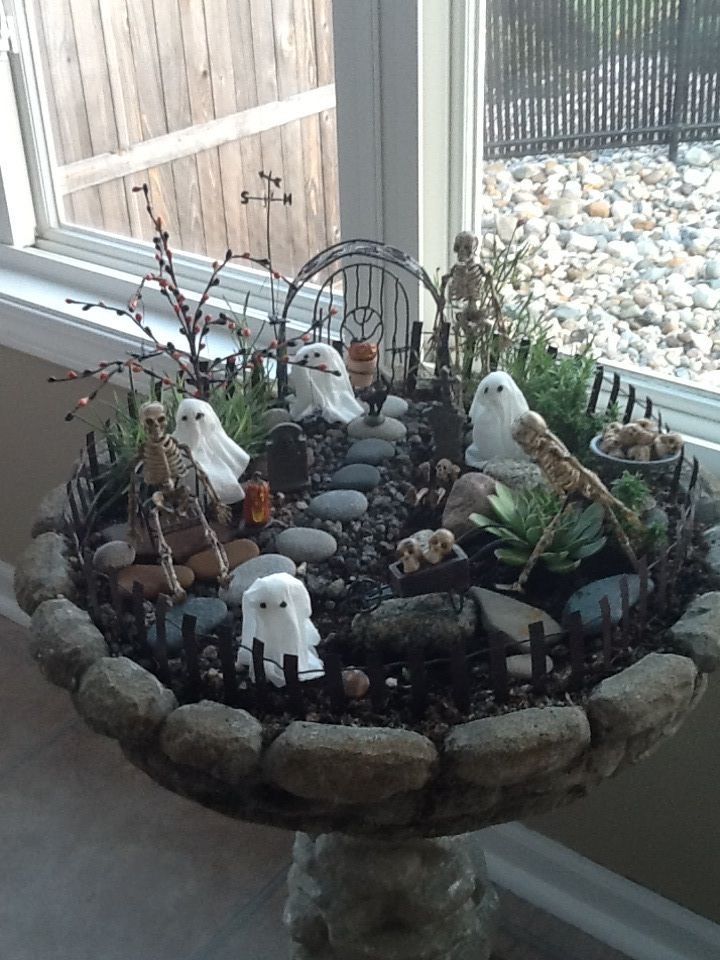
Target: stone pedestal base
point(367, 899)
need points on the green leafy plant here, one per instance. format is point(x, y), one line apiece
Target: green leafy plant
point(519, 521)
point(631, 489)
point(558, 387)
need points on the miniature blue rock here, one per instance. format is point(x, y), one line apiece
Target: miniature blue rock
point(356, 476)
point(339, 505)
point(586, 600)
point(209, 611)
point(370, 451)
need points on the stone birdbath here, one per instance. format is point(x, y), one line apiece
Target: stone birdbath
point(380, 869)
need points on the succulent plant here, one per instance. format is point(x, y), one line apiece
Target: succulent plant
point(519, 521)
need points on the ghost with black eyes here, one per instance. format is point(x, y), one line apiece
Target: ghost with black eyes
point(224, 461)
point(276, 610)
point(322, 385)
point(497, 403)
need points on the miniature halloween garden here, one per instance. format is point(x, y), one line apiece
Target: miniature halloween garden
point(408, 512)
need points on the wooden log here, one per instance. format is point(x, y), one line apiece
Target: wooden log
point(460, 677)
point(227, 664)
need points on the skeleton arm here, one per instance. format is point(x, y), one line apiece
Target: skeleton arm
point(222, 510)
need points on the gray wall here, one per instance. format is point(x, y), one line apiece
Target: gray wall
point(656, 823)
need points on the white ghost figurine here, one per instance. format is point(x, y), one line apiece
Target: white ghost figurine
point(497, 403)
point(198, 426)
point(322, 385)
point(276, 609)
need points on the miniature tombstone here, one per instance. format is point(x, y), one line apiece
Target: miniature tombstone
point(497, 404)
point(287, 461)
point(276, 610)
point(448, 427)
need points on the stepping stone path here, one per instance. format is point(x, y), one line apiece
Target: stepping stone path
point(209, 611)
point(370, 451)
point(205, 565)
point(356, 476)
point(586, 600)
point(250, 571)
point(390, 429)
point(393, 407)
point(305, 544)
point(512, 617)
point(339, 505)
point(183, 543)
point(114, 556)
point(152, 579)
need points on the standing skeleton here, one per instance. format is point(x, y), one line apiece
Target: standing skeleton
point(568, 478)
point(164, 466)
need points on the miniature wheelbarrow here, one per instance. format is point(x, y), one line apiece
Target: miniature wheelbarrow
point(451, 576)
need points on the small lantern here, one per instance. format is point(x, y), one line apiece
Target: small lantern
point(362, 363)
point(256, 505)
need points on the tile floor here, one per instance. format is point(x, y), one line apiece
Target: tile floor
point(99, 863)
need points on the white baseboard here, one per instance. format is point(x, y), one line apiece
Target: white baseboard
point(8, 604)
point(617, 912)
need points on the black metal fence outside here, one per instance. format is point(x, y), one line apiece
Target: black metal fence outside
point(570, 75)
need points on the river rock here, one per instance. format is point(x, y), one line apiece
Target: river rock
point(697, 632)
point(519, 666)
point(43, 572)
point(586, 600)
point(113, 555)
point(305, 544)
point(370, 451)
point(339, 505)
point(208, 611)
point(394, 406)
point(388, 429)
point(356, 476)
point(247, 573)
point(152, 579)
point(53, 515)
point(515, 474)
point(469, 494)
point(512, 618)
point(64, 641)
point(428, 621)
point(205, 565)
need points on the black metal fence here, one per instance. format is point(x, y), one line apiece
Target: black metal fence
point(569, 75)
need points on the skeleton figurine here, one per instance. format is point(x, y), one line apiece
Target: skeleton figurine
point(568, 478)
point(435, 484)
point(165, 463)
point(466, 277)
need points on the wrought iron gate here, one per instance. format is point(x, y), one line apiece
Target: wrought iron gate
point(568, 75)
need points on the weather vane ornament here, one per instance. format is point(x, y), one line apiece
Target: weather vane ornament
point(497, 403)
point(322, 385)
point(165, 463)
point(276, 610)
point(198, 427)
point(568, 478)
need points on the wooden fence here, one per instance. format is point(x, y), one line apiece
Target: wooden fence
point(194, 97)
point(585, 658)
point(567, 75)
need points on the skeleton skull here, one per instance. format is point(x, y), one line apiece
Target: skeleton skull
point(465, 245)
point(439, 546)
point(154, 419)
point(446, 473)
point(640, 453)
point(667, 445)
point(410, 554)
point(635, 435)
